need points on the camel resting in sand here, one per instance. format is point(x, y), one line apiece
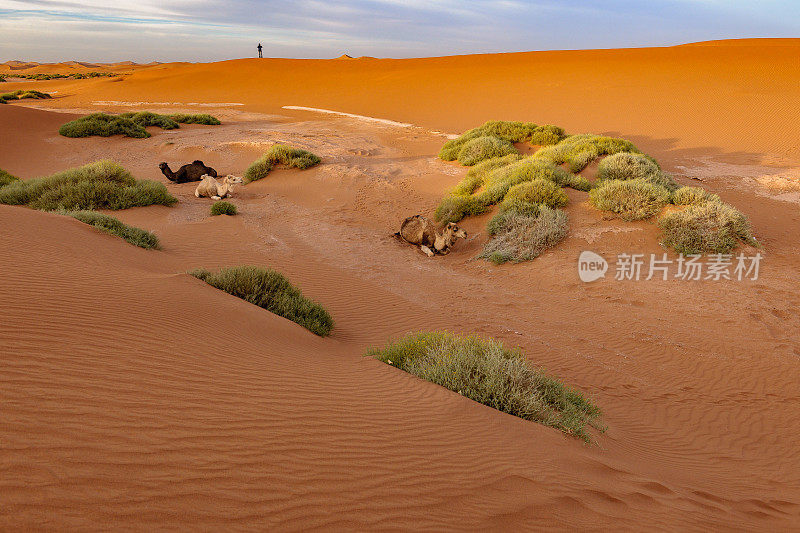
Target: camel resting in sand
point(214, 190)
point(194, 171)
point(422, 232)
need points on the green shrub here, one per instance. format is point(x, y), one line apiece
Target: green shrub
point(580, 150)
point(633, 199)
point(628, 166)
point(483, 148)
point(484, 371)
point(23, 94)
point(693, 196)
point(477, 174)
point(223, 208)
point(499, 181)
point(146, 119)
point(453, 208)
point(538, 191)
point(202, 118)
point(509, 209)
point(709, 227)
point(129, 124)
point(269, 290)
point(103, 125)
point(512, 132)
point(135, 236)
point(6, 178)
point(521, 237)
point(280, 154)
point(98, 185)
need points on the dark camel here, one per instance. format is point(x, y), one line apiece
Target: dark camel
point(192, 172)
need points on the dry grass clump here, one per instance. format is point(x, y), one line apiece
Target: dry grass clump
point(98, 185)
point(499, 181)
point(455, 207)
point(476, 175)
point(633, 199)
point(223, 208)
point(269, 290)
point(694, 196)
point(136, 236)
point(511, 132)
point(280, 154)
point(23, 94)
point(201, 118)
point(709, 227)
point(6, 178)
point(629, 166)
point(483, 148)
point(521, 237)
point(580, 150)
point(538, 191)
point(484, 371)
point(129, 124)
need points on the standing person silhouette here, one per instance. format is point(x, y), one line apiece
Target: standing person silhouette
point(259, 50)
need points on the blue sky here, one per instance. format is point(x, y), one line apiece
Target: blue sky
point(202, 30)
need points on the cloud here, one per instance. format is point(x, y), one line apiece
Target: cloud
point(149, 29)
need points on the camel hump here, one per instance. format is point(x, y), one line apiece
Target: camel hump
point(198, 162)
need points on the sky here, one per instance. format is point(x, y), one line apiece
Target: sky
point(203, 30)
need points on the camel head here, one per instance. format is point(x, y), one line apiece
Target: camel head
point(452, 232)
point(232, 180)
point(163, 166)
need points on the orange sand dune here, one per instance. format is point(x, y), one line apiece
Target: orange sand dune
point(735, 99)
point(136, 397)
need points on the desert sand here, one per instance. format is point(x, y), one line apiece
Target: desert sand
point(121, 409)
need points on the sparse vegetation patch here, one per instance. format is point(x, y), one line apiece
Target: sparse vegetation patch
point(269, 290)
point(129, 124)
point(98, 185)
point(485, 371)
point(709, 227)
point(520, 235)
point(23, 94)
point(136, 236)
point(280, 154)
point(634, 199)
point(223, 208)
point(6, 178)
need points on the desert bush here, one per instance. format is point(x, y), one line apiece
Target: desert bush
point(477, 174)
point(102, 125)
point(269, 290)
point(693, 196)
point(629, 166)
point(538, 191)
point(508, 209)
point(511, 132)
point(223, 208)
point(23, 94)
point(280, 154)
point(580, 150)
point(129, 124)
point(455, 207)
point(484, 371)
point(709, 227)
point(499, 181)
point(146, 119)
point(98, 185)
point(107, 224)
point(521, 237)
point(633, 199)
point(201, 118)
point(483, 148)
point(6, 178)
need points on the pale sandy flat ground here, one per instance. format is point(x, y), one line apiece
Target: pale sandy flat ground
point(136, 397)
